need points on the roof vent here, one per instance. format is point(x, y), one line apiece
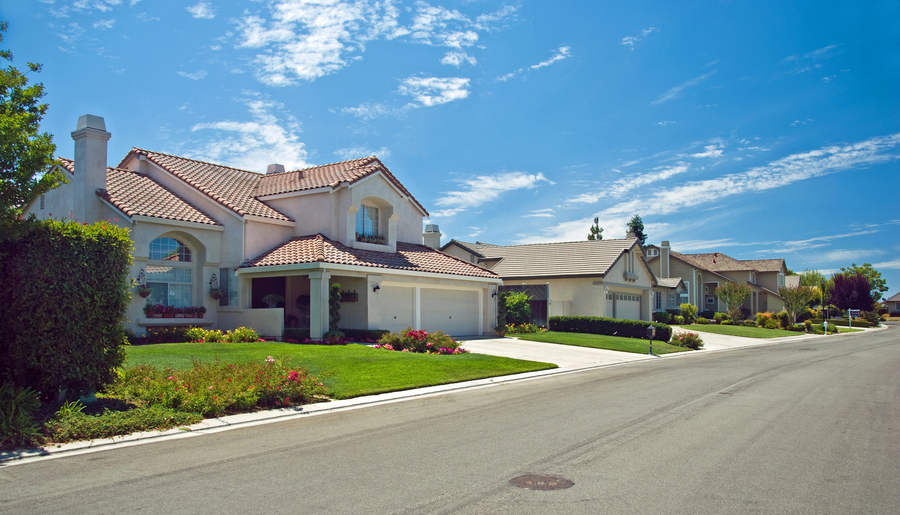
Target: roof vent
point(431, 228)
point(275, 168)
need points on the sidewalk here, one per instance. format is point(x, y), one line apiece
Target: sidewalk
point(569, 358)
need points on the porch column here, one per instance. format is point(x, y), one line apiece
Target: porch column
point(318, 303)
point(417, 309)
point(372, 302)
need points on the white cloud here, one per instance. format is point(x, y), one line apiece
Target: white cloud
point(677, 91)
point(561, 54)
point(622, 186)
point(664, 123)
point(432, 91)
point(255, 144)
point(358, 152)
point(194, 76)
point(202, 10)
point(711, 151)
point(104, 24)
point(811, 243)
point(889, 265)
point(776, 174)
point(485, 188)
point(368, 111)
point(458, 58)
point(629, 41)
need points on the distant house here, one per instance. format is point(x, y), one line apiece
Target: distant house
point(703, 273)
point(893, 305)
point(590, 278)
point(199, 225)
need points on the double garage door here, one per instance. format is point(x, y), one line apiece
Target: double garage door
point(455, 312)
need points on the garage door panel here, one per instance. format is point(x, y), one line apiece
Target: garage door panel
point(397, 308)
point(453, 311)
point(628, 307)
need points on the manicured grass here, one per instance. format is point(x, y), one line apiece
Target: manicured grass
point(846, 330)
point(598, 341)
point(739, 330)
point(346, 370)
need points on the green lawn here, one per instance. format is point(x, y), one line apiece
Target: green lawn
point(346, 370)
point(752, 332)
point(598, 341)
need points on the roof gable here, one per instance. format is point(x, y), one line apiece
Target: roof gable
point(559, 259)
point(136, 194)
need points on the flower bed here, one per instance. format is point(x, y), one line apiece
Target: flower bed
point(410, 340)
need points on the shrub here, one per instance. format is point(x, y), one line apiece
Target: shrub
point(523, 329)
point(168, 335)
point(64, 289)
point(689, 340)
point(501, 308)
point(609, 326)
point(718, 317)
point(678, 319)
point(845, 323)
point(214, 336)
point(241, 335)
point(334, 307)
point(18, 405)
point(663, 317)
point(518, 308)
point(295, 334)
point(749, 323)
point(771, 324)
point(363, 335)
point(702, 321)
point(707, 314)
point(212, 389)
point(784, 318)
point(82, 426)
point(196, 334)
point(410, 340)
point(762, 317)
point(798, 328)
point(727, 322)
point(689, 312)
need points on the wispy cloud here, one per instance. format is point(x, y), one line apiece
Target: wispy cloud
point(432, 91)
point(368, 111)
point(629, 41)
point(664, 123)
point(104, 24)
point(776, 174)
point(622, 186)
point(485, 188)
point(254, 144)
point(541, 213)
point(710, 151)
point(202, 10)
point(458, 58)
point(889, 265)
point(787, 247)
point(194, 76)
point(561, 53)
point(677, 91)
point(358, 152)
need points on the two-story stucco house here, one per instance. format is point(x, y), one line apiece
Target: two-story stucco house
point(199, 225)
point(701, 274)
point(578, 278)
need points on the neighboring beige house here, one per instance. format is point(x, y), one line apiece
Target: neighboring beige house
point(198, 225)
point(703, 273)
point(893, 305)
point(583, 278)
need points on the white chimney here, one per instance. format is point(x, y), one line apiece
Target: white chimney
point(275, 168)
point(664, 260)
point(432, 236)
point(90, 167)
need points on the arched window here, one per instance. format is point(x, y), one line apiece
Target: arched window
point(169, 273)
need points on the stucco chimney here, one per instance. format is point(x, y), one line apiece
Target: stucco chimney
point(275, 168)
point(664, 259)
point(432, 236)
point(90, 167)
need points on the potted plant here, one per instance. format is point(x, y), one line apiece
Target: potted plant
point(201, 311)
point(273, 299)
point(168, 312)
point(500, 330)
point(144, 291)
point(149, 310)
point(189, 311)
point(215, 293)
point(179, 312)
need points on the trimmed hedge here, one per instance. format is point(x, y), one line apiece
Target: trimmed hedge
point(64, 289)
point(609, 327)
point(857, 322)
point(364, 334)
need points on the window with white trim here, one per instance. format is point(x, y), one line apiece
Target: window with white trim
point(367, 222)
point(228, 283)
point(170, 278)
point(686, 294)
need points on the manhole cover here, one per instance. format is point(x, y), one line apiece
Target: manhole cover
point(539, 482)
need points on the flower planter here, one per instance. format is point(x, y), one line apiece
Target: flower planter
point(179, 315)
point(156, 315)
point(168, 315)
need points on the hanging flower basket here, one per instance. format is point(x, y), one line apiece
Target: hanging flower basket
point(144, 291)
point(215, 293)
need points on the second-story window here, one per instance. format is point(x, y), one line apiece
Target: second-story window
point(367, 229)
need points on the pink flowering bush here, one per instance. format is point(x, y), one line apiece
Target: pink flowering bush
point(213, 389)
point(689, 340)
point(410, 340)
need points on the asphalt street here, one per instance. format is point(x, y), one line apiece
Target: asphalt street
point(809, 426)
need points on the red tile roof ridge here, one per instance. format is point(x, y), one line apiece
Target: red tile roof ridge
point(368, 158)
point(320, 248)
point(146, 152)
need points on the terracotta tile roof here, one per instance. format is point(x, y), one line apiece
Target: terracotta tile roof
point(136, 194)
point(409, 256)
point(717, 262)
point(330, 176)
point(764, 265)
point(231, 187)
point(67, 164)
point(572, 258)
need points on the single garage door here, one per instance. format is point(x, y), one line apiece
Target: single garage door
point(453, 311)
point(628, 307)
point(396, 308)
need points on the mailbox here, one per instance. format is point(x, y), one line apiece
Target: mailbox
point(651, 332)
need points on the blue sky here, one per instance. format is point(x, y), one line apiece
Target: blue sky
point(759, 129)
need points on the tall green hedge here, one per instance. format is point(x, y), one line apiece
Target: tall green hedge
point(64, 289)
point(610, 327)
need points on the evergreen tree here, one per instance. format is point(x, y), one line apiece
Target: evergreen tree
point(596, 231)
point(636, 225)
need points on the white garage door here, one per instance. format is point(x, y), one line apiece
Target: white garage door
point(452, 311)
point(628, 307)
point(396, 308)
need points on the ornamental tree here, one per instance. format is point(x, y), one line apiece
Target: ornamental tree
point(797, 298)
point(25, 155)
point(876, 283)
point(734, 295)
point(852, 291)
